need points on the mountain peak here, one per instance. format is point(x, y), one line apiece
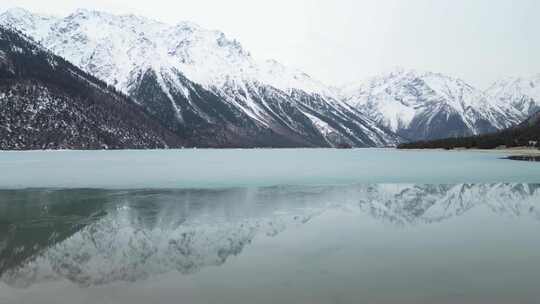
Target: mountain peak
point(51, 96)
point(522, 93)
point(17, 12)
point(423, 105)
point(187, 25)
point(407, 73)
point(202, 82)
point(26, 22)
point(208, 57)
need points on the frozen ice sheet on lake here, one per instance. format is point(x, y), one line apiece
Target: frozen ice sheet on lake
point(253, 168)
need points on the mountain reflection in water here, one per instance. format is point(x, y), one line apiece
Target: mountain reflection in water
point(96, 237)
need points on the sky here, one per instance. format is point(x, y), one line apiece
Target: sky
point(346, 41)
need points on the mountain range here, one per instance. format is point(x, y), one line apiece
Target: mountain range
point(211, 92)
point(202, 85)
point(425, 105)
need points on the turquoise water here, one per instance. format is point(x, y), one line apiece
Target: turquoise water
point(268, 226)
point(252, 168)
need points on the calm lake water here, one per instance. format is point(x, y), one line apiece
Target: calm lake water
point(268, 226)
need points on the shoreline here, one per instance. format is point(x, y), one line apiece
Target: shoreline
point(515, 151)
point(510, 151)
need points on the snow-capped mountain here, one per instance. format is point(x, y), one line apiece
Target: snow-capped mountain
point(202, 84)
point(425, 105)
point(522, 93)
point(47, 103)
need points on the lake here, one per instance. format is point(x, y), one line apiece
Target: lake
point(254, 168)
point(268, 226)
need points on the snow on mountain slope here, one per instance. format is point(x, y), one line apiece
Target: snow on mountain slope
point(424, 105)
point(202, 84)
point(48, 103)
point(24, 21)
point(521, 93)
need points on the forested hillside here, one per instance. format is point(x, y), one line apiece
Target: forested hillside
point(525, 134)
point(47, 103)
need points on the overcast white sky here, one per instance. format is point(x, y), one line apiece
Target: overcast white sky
point(343, 41)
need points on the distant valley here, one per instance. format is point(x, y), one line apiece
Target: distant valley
point(526, 134)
